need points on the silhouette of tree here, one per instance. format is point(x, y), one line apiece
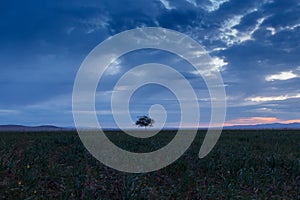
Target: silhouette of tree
point(144, 121)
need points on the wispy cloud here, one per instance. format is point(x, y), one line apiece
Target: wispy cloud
point(167, 5)
point(216, 65)
point(193, 2)
point(273, 98)
point(215, 5)
point(114, 68)
point(281, 76)
point(291, 27)
point(7, 111)
point(274, 30)
point(231, 35)
point(94, 23)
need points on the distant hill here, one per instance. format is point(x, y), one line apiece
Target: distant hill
point(48, 128)
point(20, 128)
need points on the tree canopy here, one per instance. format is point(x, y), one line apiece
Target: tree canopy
point(144, 121)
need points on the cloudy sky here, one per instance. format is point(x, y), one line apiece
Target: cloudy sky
point(255, 44)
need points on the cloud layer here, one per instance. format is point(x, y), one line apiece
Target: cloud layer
point(255, 44)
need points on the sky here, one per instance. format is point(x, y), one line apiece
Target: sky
point(255, 45)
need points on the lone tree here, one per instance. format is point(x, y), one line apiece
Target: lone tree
point(144, 121)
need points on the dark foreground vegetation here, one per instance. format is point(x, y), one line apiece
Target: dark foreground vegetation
point(263, 164)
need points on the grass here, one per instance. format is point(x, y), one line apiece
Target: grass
point(262, 164)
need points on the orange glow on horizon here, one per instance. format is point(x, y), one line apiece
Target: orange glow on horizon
point(292, 121)
point(258, 120)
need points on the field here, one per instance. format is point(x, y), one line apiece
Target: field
point(262, 164)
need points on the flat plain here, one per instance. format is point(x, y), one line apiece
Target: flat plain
point(253, 164)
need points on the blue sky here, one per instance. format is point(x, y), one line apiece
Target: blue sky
point(255, 44)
